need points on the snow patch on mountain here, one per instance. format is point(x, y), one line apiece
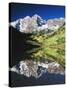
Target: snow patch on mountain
point(36, 23)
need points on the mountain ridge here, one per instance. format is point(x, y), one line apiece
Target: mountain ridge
point(36, 23)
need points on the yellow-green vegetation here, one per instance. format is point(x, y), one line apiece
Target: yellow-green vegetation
point(51, 45)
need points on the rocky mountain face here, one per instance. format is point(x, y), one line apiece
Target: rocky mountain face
point(30, 68)
point(55, 23)
point(36, 23)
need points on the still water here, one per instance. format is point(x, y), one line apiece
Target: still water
point(28, 72)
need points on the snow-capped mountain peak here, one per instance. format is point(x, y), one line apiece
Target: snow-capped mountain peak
point(29, 24)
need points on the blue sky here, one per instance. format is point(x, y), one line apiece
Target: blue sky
point(19, 10)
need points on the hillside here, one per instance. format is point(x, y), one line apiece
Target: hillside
point(51, 45)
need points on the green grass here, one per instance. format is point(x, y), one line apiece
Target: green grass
point(51, 45)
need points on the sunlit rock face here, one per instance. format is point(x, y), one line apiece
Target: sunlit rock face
point(36, 69)
point(28, 24)
point(36, 23)
point(55, 23)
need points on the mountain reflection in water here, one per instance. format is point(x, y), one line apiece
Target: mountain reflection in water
point(36, 69)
